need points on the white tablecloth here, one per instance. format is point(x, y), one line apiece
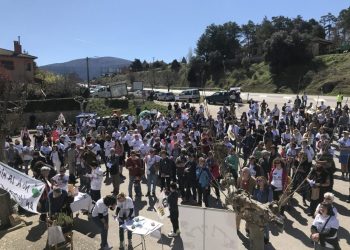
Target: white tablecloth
point(141, 225)
point(82, 201)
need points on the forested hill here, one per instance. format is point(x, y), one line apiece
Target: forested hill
point(97, 66)
point(329, 72)
point(278, 54)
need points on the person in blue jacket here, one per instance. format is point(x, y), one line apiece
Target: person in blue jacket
point(203, 178)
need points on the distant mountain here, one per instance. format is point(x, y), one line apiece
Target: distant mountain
point(97, 66)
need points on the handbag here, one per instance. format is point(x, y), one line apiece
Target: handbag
point(55, 235)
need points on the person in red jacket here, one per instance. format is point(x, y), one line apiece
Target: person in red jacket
point(215, 174)
point(278, 179)
point(136, 171)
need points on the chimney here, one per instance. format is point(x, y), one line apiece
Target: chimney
point(17, 47)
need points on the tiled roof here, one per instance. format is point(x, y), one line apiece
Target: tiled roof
point(5, 52)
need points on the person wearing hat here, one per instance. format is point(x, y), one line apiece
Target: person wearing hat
point(319, 181)
point(344, 148)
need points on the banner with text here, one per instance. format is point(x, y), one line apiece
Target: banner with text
point(25, 190)
point(207, 228)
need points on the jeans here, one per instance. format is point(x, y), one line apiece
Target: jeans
point(116, 183)
point(152, 179)
point(137, 186)
point(101, 227)
point(174, 218)
point(121, 233)
point(165, 182)
point(203, 192)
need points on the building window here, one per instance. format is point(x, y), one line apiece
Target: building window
point(9, 65)
point(29, 67)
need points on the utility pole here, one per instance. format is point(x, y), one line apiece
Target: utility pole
point(153, 73)
point(87, 72)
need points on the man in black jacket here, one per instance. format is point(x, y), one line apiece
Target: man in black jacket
point(166, 169)
point(113, 166)
point(174, 209)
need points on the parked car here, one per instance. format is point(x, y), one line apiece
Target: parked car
point(190, 95)
point(166, 97)
point(235, 96)
point(219, 97)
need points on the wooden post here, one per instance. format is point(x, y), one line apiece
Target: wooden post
point(256, 237)
point(5, 209)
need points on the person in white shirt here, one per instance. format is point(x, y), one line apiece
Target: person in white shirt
point(108, 144)
point(96, 178)
point(125, 211)
point(136, 142)
point(151, 165)
point(100, 217)
point(61, 179)
point(324, 229)
point(79, 141)
point(28, 151)
point(145, 123)
point(95, 147)
point(144, 148)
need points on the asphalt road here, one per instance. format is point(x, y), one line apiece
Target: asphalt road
point(271, 98)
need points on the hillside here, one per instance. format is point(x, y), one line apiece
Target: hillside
point(332, 72)
point(97, 66)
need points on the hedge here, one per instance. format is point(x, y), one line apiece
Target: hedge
point(52, 105)
point(117, 103)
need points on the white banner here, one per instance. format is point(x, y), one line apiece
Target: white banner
point(25, 190)
point(207, 228)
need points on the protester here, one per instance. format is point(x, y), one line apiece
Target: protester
point(324, 228)
point(100, 217)
point(125, 211)
point(172, 199)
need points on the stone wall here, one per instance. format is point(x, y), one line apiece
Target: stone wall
point(31, 119)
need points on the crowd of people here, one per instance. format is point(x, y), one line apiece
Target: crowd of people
point(270, 151)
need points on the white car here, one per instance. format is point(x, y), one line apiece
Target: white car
point(166, 96)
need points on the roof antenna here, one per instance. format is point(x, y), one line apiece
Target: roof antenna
point(19, 39)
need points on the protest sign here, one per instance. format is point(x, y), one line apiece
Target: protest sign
point(162, 206)
point(25, 190)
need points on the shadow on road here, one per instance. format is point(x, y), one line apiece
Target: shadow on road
point(295, 232)
point(344, 234)
point(35, 233)
point(86, 227)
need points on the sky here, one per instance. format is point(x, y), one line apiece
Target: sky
point(63, 30)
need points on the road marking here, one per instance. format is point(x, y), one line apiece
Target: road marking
point(263, 95)
point(287, 97)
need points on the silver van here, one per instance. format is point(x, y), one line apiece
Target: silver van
point(189, 95)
